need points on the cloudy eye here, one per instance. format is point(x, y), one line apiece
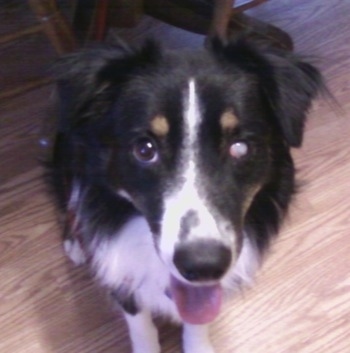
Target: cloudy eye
point(145, 150)
point(239, 149)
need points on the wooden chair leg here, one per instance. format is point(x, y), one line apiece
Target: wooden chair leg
point(189, 16)
point(221, 18)
point(54, 25)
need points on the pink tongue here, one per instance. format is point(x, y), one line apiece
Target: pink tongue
point(196, 305)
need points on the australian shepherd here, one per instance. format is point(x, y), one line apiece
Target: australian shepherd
point(174, 172)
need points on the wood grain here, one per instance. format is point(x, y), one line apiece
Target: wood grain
point(301, 299)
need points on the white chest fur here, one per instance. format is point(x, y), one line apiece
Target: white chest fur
point(129, 259)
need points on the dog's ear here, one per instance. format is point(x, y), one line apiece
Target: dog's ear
point(90, 81)
point(296, 83)
point(288, 83)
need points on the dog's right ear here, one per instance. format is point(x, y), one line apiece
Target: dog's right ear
point(94, 76)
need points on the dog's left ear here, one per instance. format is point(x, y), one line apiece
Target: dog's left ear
point(287, 82)
point(294, 84)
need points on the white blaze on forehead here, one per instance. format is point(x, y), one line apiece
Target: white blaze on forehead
point(193, 113)
point(185, 196)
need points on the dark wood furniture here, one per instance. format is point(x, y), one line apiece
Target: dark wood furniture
point(219, 17)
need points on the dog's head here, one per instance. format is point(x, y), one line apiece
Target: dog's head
point(198, 142)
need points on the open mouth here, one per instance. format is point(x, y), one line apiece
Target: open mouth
point(197, 305)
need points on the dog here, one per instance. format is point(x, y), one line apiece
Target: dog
point(174, 171)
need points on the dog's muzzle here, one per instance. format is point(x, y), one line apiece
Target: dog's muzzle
point(198, 293)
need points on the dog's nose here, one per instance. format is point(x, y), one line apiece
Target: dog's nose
point(203, 260)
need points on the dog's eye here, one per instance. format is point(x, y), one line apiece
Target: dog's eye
point(145, 150)
point(239, 149)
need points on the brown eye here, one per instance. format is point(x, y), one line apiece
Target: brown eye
point(239, 149)
point(145, 150)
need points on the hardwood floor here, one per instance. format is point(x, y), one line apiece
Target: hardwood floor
point(301, 299)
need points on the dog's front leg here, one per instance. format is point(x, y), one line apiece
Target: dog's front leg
point(196, 339)
point(143, 333)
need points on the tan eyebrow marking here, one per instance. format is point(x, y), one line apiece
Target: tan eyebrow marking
point(228, 120)
point(160, 125)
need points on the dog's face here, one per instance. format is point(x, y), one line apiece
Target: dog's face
point(193, 157)
point(197, 143)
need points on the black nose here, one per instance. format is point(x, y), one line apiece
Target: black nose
point(203, 260)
